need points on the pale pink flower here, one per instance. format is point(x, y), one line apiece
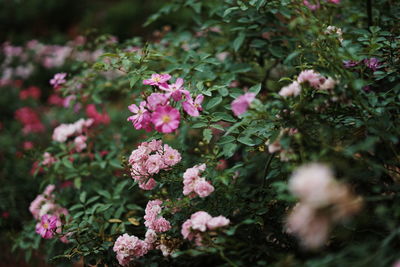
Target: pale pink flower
point(174, 90)
point(47, 226)
point(148, 185)
point(150, 237)
point(58, 79)
point(242, 103)
point(49, 190)
point(192, 107)
point(157, 79)
point(292, 89)
point(80, 143)
point(186, 230)
point(312, 183)
point(36, 205)
point(155, 100)
point(203, 188)
point(166, 119)
point(310, 228)
point(154, 163)
point(48, 159)
point(171, 156)
point(310, 76)
point(200, 220)
point(328, 84)
point(128, 248)
point(153, 219)
point(217, 222)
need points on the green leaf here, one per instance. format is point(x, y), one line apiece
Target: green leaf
point(207, 135)
point(246, 141)
point(229, 149)
point(78, 182)
point(255, 89)
point(237, 43)
point(213, 102)
point(82, 197)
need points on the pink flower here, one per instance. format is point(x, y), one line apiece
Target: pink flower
point(193, 107)
point(166, 119)
point(154, 163)
point(242, 103)
point(292, 89)
point(142, 117)
point(148, 185)
point(47, 226)
point(186, 230)
point(153, 219)
point(171, 156)
point(48, 159)
point(32, 91)
point(203, 188)
point(80, 143)
point(174, 90)
point(30, 119)
point(150, 237)
point(313, 78)
point(155, 100)
point(28, 145)
point(157, 79)
point(200, 220)
point(58, 79)
point(217, 222)
point(128, 248)
point(334, 1)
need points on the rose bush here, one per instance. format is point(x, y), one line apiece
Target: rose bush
point(259, 133)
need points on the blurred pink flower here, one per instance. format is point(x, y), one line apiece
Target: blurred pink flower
point(241, 104)
point(157, 79)
point(193, 107)
point(58, 80)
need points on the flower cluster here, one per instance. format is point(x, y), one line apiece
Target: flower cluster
point(372, 63)
point(310, 77)
point(128, 248)
point(149, 159)
point(157, 111)
point(31, 92)
point(62, 132)
point(30, 119)
point(323, 202)
point(48, 212)
point(242, 103)
point(153, 219)
point(199, 223)
point(194, 185)
point(58, 80)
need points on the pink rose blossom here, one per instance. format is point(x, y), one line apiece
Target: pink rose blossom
point(80, 143)
point(171, 156)
point(203, 188)
point(58, 80)
point(128, 248)
point(174, 90)
point(47, 226)
point(155, 100)
point(192, 107)
point(292, 89)
point(153, 219)
point(142, 117)
point(217, 222)
point(166, 119)
point(48, 159)
point(157, 79)
point(242, 103)
point(200, 220)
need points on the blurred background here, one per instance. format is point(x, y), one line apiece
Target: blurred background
point(62, 20)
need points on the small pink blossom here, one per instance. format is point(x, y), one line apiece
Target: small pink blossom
point(157, 79)
point(47, 226)
point(142, 117)
point(313, 78)
point(203, 188)
point(242, 103)
point(312, 7)
point(58, 80)
point(166, 119)
point(174, 90)
point(217, 222)
point(153, 219)
point(128, 248)
point(200, 220)
point(154, 163)
point(192, 107)
point(155, 100)
point(48, 159)
point(171, 156)
point(80, 143)
point(292, 89)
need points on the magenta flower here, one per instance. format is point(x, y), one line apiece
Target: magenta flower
point(334, 1)
point(242, 103)
point(372, 63)
point(47, 226)
point(157, 79)
point(174, 90)
point(193, 107)
point(166, 119)
point(142, 117)
point(58, 79)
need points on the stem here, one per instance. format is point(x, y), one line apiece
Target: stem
point(266, 168)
